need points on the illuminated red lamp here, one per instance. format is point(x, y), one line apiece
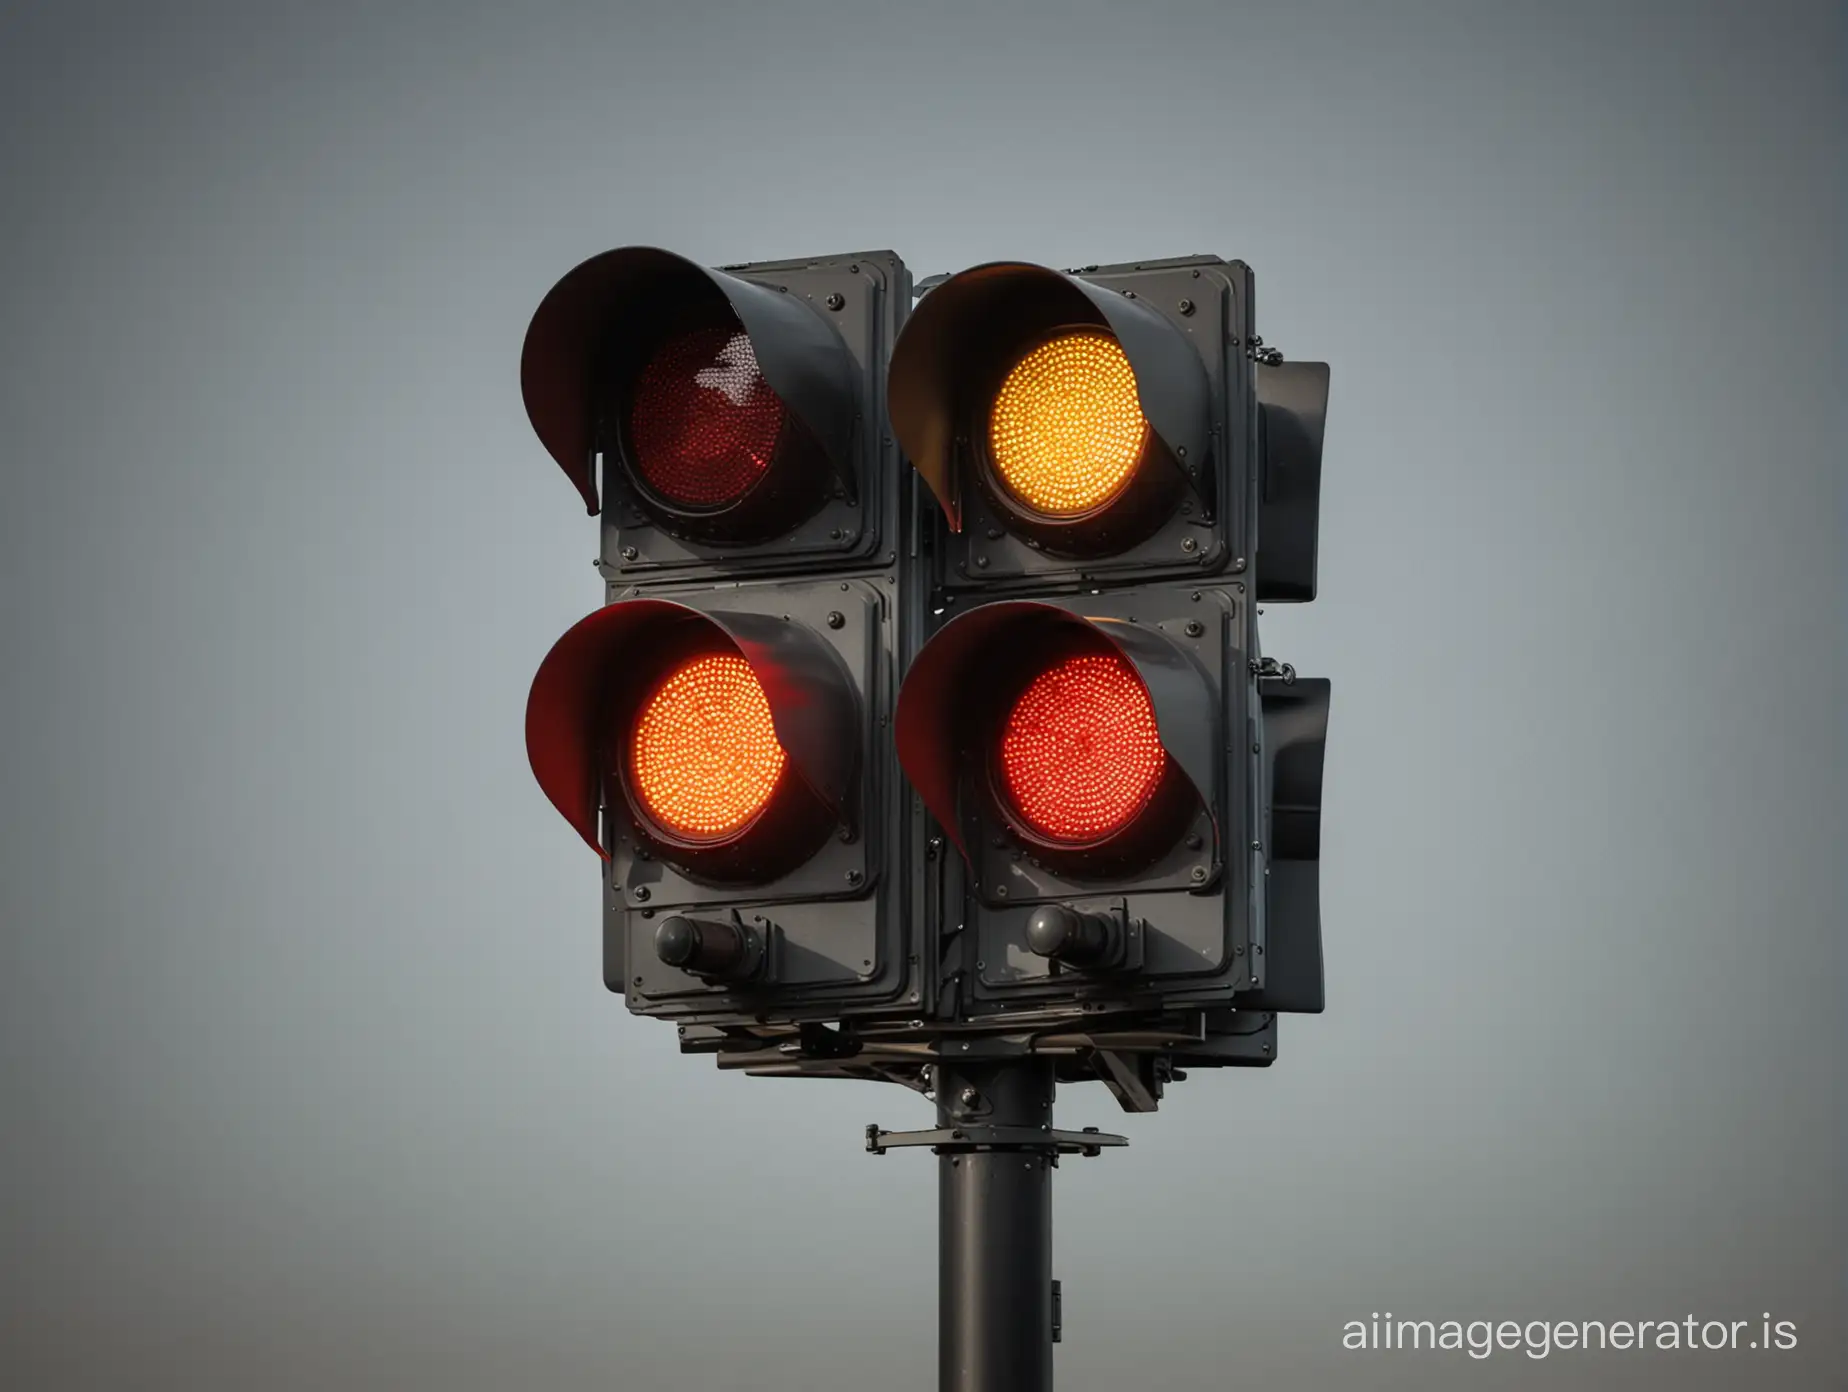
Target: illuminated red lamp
point(1024, 719)
point(1079, 755)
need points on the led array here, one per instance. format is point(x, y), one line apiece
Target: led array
point(1066, 431)
point(703, 422)
point(1080, 754)
point(703, 754)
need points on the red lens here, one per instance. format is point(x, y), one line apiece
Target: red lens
point(1080, 754)
point(703, 423)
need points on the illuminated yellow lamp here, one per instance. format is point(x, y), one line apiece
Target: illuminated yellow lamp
point(1066, 431)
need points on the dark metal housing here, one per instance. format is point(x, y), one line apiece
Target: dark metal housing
point(1179, 324)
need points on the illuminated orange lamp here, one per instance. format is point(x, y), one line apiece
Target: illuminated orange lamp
point(703, 756)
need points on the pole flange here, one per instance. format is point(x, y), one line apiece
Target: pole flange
point(952, 1140)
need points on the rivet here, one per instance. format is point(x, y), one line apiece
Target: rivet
point(641, 894)
point(1186, 306)
point(836, 300)
point(1190, 544)
point(836, 618)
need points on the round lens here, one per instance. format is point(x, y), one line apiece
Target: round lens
point(1080, 754)
point(703, 754)
point(1066, 431)
point(703, 422)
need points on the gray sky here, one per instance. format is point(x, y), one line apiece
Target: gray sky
point(310, 1078)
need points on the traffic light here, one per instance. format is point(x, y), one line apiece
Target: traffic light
point(719, 731)
point(1123, 471)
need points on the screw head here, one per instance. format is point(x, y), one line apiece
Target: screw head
point(1190, 544)
point(836, 618)
point(1186, 306)
point(836, 300)
point(854, 877)
point(970, 1097)
point(640, 894)
point(981, 563)
point(629, 553)
point(1197, 874)
point(1195, 628)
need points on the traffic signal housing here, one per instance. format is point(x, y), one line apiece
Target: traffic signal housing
point(1123, 470)
point(719, 731)
point(1078, 425)
point(736, 413)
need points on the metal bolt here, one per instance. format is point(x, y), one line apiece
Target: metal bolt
point(970, 1097)
point(836, 618)
point(1190, 544)
point(1266, 1048)
point(834, 534)
point(1000, 891)
point(629, 553)
point(836, 300)
point(1239, 563)
point(1195, 628)
point(641, 894)
point(981, 563)
point(1181, 450)
point(854, 877)
point(1193, 841)
point(1197, 874)
point(1186, 306)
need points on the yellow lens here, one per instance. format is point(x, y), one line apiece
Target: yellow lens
point(1067, 431)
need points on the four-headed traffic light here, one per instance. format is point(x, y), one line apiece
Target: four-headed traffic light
point(1061, 654)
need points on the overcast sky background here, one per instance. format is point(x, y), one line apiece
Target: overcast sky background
point(309, 1077)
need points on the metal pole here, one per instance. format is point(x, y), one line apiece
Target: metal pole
point(994, 1272)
